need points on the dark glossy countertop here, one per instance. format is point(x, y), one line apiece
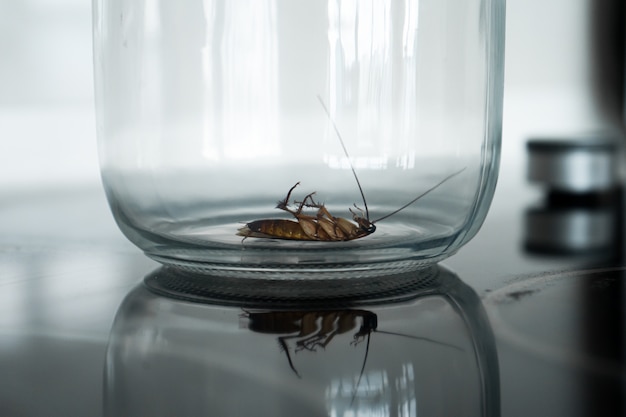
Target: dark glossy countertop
point(497, 330)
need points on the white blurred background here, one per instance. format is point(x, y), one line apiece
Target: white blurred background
point(47, 126)
point(555, 84)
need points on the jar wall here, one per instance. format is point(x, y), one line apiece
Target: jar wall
point(210, 111)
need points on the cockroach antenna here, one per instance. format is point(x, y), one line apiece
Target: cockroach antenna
point(345, 151)
point(419, 196)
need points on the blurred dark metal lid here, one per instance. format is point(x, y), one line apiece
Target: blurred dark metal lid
point(584, 164)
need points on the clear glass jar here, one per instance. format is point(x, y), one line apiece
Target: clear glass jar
point(209, 111)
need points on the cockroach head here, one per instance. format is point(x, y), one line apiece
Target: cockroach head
point(365, 225)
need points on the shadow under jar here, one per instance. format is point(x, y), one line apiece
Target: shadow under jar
point(210, 111)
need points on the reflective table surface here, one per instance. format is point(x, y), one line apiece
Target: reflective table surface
point(89, 326)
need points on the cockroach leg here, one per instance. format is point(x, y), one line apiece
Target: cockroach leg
point(304, 204)
point(285, 348)
point(284, 204)
point(310, 204)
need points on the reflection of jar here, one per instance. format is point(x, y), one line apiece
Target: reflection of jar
point(210, 111)
point(428, 351)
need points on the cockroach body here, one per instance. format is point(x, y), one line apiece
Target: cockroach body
point(312, 329)
point(323, 226)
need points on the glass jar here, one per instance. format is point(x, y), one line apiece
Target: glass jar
point(299, 135)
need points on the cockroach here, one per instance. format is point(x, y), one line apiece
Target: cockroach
point(316, 329)
point(312, 329)
point(323, 226)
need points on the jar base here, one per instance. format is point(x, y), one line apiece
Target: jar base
point(309, 287)
point(322, 271)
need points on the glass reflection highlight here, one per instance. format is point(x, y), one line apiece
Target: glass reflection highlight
point(374, 395)
point(241, 70)
point(369, 74)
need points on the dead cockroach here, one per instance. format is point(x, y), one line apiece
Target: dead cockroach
point(311, 329)
point(316, 329)
point(322, 226)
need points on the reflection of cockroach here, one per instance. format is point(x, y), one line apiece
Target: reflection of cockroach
point(322, 226)
point(313, 329)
